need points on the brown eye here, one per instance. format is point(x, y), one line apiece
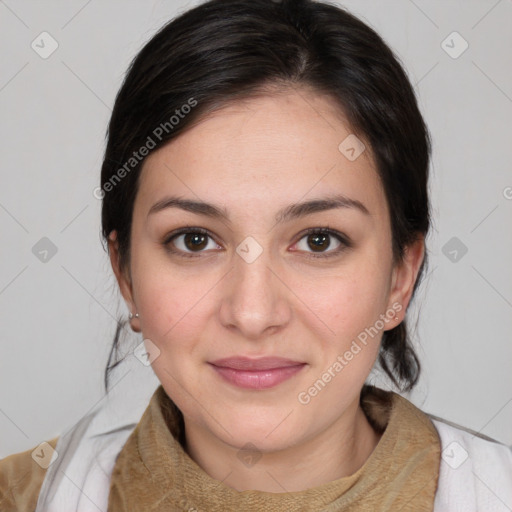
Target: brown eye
point(319, 242)
point(322, 242)
point(191, 241)
point(195, 241)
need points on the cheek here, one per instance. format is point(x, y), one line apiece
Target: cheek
point(166, 299)
point(354, 301)
point(172, 314)
point(352, 306)
point(170, 309)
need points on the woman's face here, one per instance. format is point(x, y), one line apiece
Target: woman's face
point(257, 285)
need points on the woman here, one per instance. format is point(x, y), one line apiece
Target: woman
point(265, 208)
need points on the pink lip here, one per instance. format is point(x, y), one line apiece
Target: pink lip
point(262, 373)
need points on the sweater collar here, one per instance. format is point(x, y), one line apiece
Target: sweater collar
point(153, 471)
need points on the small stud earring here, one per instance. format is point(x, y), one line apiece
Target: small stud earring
point(131, 315)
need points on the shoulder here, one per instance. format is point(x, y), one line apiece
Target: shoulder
point(22, 475)
point(475, 471)
point(461, 444)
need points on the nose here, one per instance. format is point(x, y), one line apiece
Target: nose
point(255, 301)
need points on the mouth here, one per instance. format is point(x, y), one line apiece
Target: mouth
point(261, 373)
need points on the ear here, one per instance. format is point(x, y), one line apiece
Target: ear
point(123, 278)
point(404, 277)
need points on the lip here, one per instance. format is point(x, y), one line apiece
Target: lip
point(261, 373)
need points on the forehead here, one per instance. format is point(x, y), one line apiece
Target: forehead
point(264, 152)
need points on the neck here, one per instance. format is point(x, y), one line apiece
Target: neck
point(351, 437)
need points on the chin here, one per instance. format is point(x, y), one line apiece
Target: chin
point(267, 432)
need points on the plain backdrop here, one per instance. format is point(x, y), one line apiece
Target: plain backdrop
point(58, 315)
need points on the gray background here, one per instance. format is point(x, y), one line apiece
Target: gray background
point(58, 316)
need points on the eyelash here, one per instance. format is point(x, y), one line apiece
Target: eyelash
point(344, 241)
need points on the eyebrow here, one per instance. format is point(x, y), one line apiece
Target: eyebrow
point(290, 212)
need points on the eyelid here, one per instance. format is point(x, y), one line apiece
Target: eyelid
point(183, 231)
point(345, 242)
point(342, 238)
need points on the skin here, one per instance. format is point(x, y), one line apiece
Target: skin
point(253, 158)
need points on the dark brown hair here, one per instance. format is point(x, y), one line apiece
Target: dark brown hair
point(225, 50)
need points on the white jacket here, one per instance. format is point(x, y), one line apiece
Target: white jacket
point(475, 473)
